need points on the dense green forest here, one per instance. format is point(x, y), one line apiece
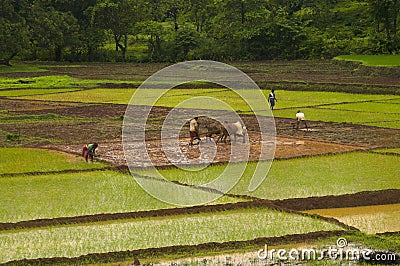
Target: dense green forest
point(175, 30)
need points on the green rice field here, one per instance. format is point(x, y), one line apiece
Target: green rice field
point(18, 160)
point(72, 241)
point(75, 194)
point(307, 177)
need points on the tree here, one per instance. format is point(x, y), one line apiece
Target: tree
point(386, 12)
point(199, 13)
point(51, 29)
point(13, 31)
point(174, 9)
point(154, 14)
point(91, 37)
point(119, 17)
point(185, 40)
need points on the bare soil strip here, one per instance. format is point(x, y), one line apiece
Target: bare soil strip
point(66, 171)
point(366, 198)
point(386, 153)
point(27, 107)
point(131, 255)
point(389, 234)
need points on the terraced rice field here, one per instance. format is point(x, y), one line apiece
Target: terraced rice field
point(339, 179)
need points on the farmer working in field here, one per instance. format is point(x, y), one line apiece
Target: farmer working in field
point(89, 150)
point(194, 130)
point(300, 117)
point(272, 99)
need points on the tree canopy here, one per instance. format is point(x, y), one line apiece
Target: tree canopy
point(175, 30)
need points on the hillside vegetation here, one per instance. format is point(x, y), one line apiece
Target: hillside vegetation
point(177, 30)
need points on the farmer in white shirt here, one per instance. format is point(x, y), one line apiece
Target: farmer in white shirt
point(300, 117)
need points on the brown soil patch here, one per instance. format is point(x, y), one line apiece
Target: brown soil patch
point(107, 111)
point(24, 74)
point(39, 133)
point(33, 107)
point(72, 109)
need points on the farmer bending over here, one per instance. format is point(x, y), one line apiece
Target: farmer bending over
point(194, 130)
point(300, 117)
point(89, 151)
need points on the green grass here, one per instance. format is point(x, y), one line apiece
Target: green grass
point(368, 107)
point(73, 194)
point(116, 96)
point(286, 99)
point(291, 99)
point(20, 160)
point(348, 116)
point(305, 177)
point(123, 96)
point(26, 92)
point(72, 241)
point(373, 60)
point(46, 82)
